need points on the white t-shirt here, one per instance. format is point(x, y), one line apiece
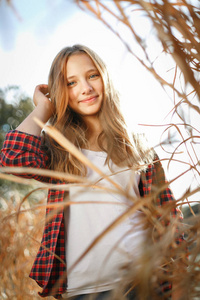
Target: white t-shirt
point(103, 266)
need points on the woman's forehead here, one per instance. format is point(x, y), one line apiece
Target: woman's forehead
point(79, 62)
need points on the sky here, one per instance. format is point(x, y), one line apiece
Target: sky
point(31, 38)
point(33, 32)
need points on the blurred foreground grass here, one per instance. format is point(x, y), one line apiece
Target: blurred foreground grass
point(20, 238)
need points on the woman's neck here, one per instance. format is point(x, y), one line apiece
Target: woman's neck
point(94, 130)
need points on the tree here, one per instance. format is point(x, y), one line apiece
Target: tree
point(14, 107)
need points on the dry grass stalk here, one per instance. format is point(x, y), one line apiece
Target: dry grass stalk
point(157, 256)
point(19, 241)
point(177, 25)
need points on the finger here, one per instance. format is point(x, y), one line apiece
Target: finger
point(44, 89)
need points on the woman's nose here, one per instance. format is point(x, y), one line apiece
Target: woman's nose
point(86, 87)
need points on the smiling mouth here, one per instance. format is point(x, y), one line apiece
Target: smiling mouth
point(88, 100)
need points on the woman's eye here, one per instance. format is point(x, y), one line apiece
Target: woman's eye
point(94, 75)
point(71, 83)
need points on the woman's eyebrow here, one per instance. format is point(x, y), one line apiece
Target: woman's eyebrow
point(70, 77)
point(93, 69)
point(88, 71)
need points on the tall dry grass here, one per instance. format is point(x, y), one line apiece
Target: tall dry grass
point(20, 237)
point(163, 31)
point(177, 26)
point(158, 254)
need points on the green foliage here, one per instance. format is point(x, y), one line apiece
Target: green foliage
point(14, 107)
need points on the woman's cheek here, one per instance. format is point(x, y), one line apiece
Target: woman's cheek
point(72, 95)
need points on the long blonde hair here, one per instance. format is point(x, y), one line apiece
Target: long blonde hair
point(120, 150)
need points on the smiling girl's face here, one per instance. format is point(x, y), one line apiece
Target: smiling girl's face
point(85, 85)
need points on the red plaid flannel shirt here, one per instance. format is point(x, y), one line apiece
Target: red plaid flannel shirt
point(21, 149)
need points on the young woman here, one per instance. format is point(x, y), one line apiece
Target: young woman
point(81, 102)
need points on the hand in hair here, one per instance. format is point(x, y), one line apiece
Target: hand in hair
point(43, 111)
point(41, 94)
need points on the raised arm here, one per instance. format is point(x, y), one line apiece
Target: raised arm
point(43, 111)
point(22, 147)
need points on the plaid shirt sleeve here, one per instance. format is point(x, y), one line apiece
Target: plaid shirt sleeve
point(23, 150)
point(163, 207)
point(152, 183)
